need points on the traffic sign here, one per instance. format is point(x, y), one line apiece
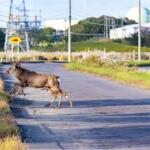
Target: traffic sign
point(15, 40)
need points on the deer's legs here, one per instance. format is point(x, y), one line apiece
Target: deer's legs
point(51, 100)
point(17, 89)
point(69, 100)
point(59, 102)
point(13, 89)
point(20, 91)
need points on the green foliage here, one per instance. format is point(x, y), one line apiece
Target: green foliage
point(7, 123)
point(41, 37)
point(133, 40)
point(96, 61)
point(138, 64)
point(121, 74)
point(7, 128)
point(2, 38)
point(4, 96)
point(94, 25)
point(99, 45)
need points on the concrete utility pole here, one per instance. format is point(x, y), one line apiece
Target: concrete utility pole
point(139, 33)
point(106, 27)
point(69, 33)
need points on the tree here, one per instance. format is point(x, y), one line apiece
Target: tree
point(94, 25)
point(40, 37)
point(2, 38)
point(133, 40)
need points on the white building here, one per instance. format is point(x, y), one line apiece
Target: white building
point(127, 31)
point(133, 14)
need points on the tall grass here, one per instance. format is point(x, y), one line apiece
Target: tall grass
point(1, 84)
point(9, 139)
point(11, 143)
point(4, 106)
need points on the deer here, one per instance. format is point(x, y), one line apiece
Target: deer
point(29, 78)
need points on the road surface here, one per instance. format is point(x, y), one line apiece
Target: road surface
point(105, 114)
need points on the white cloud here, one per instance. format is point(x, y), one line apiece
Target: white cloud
point(58, 24)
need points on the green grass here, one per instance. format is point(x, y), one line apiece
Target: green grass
point(108, 45)
point(121, 74)
point(7, 129)
point(4, 96)
point(9, 139)
point(142, 63)
point(7, 124)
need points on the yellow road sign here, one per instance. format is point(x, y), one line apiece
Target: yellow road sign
point(15, 40)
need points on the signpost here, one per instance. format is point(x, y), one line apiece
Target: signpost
point(14, 40)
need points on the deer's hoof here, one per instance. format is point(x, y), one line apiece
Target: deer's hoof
point(58, 107)
point(48, 105)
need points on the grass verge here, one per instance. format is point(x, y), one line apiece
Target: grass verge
point(9, 139)
point(121, 74)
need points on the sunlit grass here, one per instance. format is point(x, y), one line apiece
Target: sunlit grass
point(9, 139)
point(7, 126)
point(1, 84)
point(121, 74)
point(11, 143)
point(4, 96)
point(4, 106)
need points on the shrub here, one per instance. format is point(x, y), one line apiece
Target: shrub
point(94, 60)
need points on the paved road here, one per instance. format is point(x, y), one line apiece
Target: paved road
point(106, 114)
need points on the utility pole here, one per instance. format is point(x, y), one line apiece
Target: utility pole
point(106, 27)
point(139, 33)
point(69, 33)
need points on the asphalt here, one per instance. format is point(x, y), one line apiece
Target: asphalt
point(106, 115)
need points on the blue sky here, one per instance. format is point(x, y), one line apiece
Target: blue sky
point(58, 9)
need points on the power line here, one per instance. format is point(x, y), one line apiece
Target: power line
point(86, 34)
point(99, 24)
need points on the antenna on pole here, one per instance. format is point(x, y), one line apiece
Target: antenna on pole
point(69, 33)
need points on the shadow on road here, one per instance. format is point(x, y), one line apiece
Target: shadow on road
point(91, 124)
point(114, 130)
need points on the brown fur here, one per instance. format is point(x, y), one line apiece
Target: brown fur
point(59, 94)
point(28, 78)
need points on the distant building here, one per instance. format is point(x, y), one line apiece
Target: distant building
point(127, 31)
point(133, 14)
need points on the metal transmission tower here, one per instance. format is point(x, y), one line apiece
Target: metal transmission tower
point(18, 25)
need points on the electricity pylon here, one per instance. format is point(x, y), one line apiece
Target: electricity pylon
point(18, 25)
